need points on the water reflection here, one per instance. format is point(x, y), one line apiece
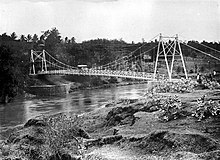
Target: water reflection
point(19, 111)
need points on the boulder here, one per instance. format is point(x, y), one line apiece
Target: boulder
point(64, 156)
point(102, 141)
point(121, 116)
point(35, 122)
point(79, 132)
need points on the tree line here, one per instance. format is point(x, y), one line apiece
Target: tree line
point(15, 54)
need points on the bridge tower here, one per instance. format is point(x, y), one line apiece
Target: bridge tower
point(38, 62)
point(169, 47)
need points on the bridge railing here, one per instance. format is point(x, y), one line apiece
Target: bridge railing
point(95, 72)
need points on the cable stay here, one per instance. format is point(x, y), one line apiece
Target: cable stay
point(129, 54)
point(207, 54)
point(208, 47)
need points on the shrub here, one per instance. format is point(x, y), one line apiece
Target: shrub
point(58, 138)
point(210, 84)
point(61, 133)
point(171, 108)
point(205, 109)
point(182, 86)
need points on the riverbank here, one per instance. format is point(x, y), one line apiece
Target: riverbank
point(78, 86)
point(55, 85)
point(123, 129)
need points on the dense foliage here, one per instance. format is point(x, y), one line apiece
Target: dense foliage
point(13, 71)
point(182, 86)
point(206, 108)
point(210, 84)
point(57, 137)
point(171, 108)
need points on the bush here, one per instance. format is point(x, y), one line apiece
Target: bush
point(58, 137)
point(61, 133)
point(205, 109)
point(210, 84)
point(182, 86)
point(171, 108)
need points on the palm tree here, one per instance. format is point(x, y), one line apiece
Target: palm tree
point(35, 38)
point(29, 37)
point(13, 36)
point(23, 38)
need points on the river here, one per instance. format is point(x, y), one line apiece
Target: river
point(22, 109)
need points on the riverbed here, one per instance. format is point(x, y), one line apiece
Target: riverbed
point(79, 102)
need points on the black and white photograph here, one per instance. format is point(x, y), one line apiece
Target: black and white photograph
point(109, 79)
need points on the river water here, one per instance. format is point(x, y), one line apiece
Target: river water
point(22, 109)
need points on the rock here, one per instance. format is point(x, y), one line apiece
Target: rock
point(29, 138)
point(210, 155)
point(28, 135)
point(5, 150)
point(109, 105)
point(14, 137)
point(128, 120)
point(17, 159)
point(149, 108)
point(103, 140)
point(111, 139)
point(83, 133)
point(35, 122)
point(79, 132)
point(63, 156)
point(121, 115)
point(153, 109)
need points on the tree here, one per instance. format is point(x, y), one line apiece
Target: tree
point(73, 40)
point(35, 38)
point(22, 38)
point(29, 38)
point(66, 40)
point(13, 36)
point(52, 39)
point(10, 74)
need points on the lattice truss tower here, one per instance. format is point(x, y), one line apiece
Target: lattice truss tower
point(40, 57)
point(169, 50)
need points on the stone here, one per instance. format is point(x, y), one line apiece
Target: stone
point(35, 122)
point(63, 156)
point(79, 132)
point(121, 115)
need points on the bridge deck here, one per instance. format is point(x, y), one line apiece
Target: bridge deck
point(108, 73)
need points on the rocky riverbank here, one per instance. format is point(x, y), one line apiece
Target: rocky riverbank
point(124, 129)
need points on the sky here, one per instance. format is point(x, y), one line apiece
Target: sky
point(131, 20)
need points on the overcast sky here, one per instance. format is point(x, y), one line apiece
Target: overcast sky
point(130, 20)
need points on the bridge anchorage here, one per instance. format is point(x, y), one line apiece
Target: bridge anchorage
point(132, 65)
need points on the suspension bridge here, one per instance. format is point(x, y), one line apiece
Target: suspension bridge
point(132, 65)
